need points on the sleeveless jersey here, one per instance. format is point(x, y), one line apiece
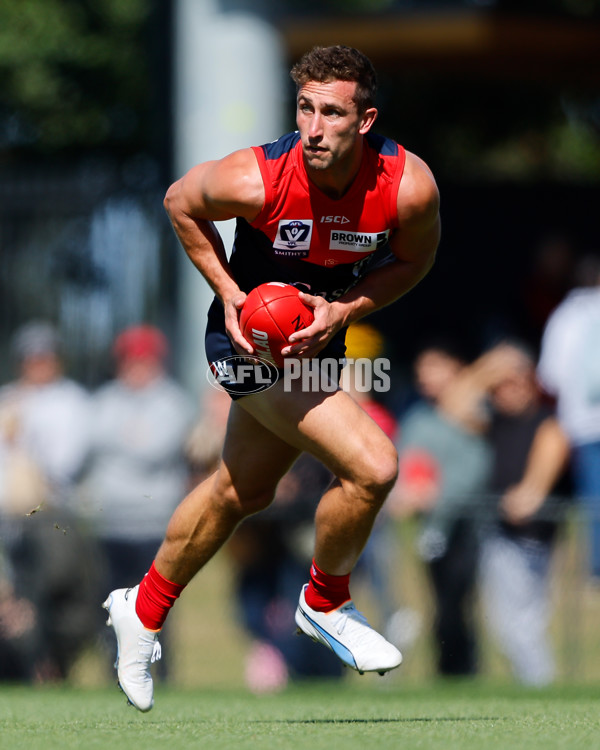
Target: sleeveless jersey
point(305, 238)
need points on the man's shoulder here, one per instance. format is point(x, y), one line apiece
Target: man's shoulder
point(578, 304)
point(75, 393)
point(280, 147)
point(108, 389)
point(67, 388)
point(418, 192)
point(582, 298)
point(384, 145)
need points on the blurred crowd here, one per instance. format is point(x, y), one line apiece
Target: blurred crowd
point(493, 450)
point(87, 484)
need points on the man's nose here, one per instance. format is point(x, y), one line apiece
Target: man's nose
point(316, 126)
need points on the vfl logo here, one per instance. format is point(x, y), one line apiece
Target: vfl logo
point(294, 232)
point(293, 237)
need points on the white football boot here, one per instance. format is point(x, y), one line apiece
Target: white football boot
point(347, 633)
point(137, 648)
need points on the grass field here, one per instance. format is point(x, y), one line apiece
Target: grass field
point(315, 717)
point(207, 705)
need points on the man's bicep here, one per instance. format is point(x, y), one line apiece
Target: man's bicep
point(204, 193)
point(418, 207)
point(187, 198)
point(417, 242)
point(224, 189)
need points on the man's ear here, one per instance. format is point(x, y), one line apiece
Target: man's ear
point(368, 118)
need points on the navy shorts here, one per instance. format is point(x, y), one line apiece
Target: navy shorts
point(241, 376)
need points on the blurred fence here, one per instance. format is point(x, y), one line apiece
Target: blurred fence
point(573, 599)
point(51, 586)
point(84, 247)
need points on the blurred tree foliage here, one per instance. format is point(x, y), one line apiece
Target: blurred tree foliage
point(73, 74)
point(78, 76)
point(474, 129)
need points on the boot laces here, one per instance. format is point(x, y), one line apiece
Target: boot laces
point(350, 616)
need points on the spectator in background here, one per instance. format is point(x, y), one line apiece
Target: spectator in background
point(545, 284)
point(44, 424)
point(444, 465)
point(44, 441)
point(569, 369)
point(530, 454)
point(138, 469)
point(18, 621)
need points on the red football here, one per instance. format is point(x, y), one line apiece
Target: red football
point(271, 313)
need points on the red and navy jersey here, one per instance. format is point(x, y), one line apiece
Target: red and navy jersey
point(305, 238)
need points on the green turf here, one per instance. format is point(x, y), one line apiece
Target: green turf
point(311, 717)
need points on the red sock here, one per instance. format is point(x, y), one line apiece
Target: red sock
point(325, 592)
point(155, 598)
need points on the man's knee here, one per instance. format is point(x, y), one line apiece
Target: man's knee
point(243, 501)
point(385, 468)
point(378, 470)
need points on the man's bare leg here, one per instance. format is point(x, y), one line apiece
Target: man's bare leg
point(253, 462)
point(265, 435)
point(343, 524)
point(337, 431)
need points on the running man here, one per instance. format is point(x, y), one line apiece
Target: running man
point(353, 219)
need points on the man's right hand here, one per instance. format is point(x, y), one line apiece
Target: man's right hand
point(232, 307)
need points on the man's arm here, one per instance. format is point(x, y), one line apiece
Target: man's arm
point(209, 192)
point(414, 245)
point(547, 459)
point(464, 399)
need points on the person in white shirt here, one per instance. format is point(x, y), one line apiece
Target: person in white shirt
point(569, 369)
point(45, 422)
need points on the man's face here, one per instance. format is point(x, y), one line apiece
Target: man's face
point(516, 392)
point(41, 369)
point(329, 122)
point(434, 372)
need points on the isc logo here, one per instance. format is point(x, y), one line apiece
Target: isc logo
point(334, 220)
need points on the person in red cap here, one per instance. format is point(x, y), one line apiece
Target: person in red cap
point(140, 353)
point(138, 470)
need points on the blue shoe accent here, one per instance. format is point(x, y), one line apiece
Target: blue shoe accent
point(338, 648)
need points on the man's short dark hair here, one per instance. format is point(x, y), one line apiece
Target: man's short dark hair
point(339, 63)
